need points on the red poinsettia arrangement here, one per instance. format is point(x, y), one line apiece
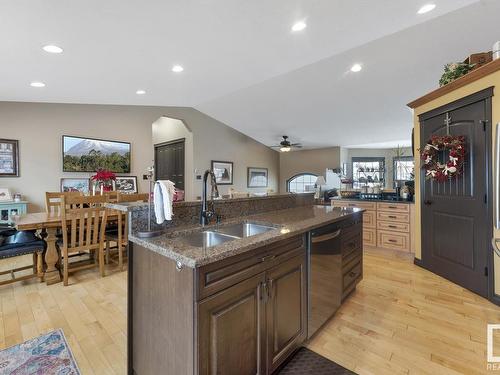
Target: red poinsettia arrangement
point(449, 168)
point(105, 178)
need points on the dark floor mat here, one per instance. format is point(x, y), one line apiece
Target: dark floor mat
point(306, 362)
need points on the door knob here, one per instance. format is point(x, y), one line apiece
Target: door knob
point(427, 203)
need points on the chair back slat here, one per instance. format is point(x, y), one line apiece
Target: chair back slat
point(136, 197)
point(53, 200)
point(87, 217)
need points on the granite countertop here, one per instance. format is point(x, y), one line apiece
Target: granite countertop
point(289, 222)
point(133, 206)
point(373, 200)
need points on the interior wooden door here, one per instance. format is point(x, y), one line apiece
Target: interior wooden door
point(169, 162)
point(456, 215)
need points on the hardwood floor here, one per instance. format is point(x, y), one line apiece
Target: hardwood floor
point(92, 311)
point(405, 320)
point(401, 320)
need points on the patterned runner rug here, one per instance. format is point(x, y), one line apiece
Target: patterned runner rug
point(48, 354)
point(306, 362)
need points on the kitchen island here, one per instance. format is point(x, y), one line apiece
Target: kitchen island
point(237, 307)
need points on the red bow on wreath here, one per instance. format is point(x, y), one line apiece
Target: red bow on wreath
point(449, 169)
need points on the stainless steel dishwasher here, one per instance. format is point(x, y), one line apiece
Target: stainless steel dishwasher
point(325, 271)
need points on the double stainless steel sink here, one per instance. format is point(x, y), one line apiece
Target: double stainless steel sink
point(209, 238)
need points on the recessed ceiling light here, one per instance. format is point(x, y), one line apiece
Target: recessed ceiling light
point(426, 8)
point(299, 26)
point(37, 84)
point(177, 69)
point(140, 92)
point(52, 49)
point(356, 68)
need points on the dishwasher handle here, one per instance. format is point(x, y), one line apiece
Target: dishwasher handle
point(325, 237)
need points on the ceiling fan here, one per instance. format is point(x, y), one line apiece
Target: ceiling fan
point(286, 146)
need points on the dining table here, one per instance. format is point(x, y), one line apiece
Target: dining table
point(49, 223)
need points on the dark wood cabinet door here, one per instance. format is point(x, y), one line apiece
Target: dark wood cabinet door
point(286, 310)
point(231, 331)
point(456, 214)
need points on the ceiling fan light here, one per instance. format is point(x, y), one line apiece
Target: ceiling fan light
point(285, 148)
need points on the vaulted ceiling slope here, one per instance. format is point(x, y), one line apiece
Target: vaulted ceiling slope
point(324, 104)
point(242, 64)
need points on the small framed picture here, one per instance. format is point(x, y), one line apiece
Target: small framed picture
point(223, 171)
point(257, 177)
point(126, 184)
point(5, 195)
point(9, 158)
point(75, 184)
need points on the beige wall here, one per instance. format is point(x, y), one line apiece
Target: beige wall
point(488, 81)
point(313, 161)
point(213, 140)
point(40, 126)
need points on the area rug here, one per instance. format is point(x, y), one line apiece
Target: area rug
point(48, 354)
point(306, 362)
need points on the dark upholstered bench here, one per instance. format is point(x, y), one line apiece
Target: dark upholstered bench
point(17, 243)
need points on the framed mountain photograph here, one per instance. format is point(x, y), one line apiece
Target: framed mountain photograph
point(90, 155)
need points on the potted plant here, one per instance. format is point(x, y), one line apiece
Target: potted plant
point(104, 181)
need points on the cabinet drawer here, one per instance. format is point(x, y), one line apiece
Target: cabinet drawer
point(369, 219)
point(352, 274)
point(351, 244)
point(393, 225)
point(393, 240)
point(365, 205)
point(393, 216)
point(391, 207)
point(217, 276)
point(370, 237)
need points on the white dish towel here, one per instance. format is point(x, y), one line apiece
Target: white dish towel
point(163, 197)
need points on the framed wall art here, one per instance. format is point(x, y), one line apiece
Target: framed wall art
point(75, 184)
point(126, 184)
point(89, 155)
point(9, 158)
point(223, 171)
point(257, 177)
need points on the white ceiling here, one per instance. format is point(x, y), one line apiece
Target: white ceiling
point(242, 64)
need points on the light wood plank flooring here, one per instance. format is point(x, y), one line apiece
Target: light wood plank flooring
point(405, 320)
point(401, 320)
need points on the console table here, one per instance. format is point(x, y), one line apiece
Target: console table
point(10, 208)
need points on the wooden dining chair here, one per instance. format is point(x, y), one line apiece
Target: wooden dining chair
point(112, 196)
point(83, 223)
point(119, 235)
point(53, 200)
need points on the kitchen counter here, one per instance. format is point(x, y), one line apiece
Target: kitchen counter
point(288, 222)
point(187, 305)
point(373, 200)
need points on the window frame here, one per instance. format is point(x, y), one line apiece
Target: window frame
point(367, 159)
point(394, 169)
point(298, 175)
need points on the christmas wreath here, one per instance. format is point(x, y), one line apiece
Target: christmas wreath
point(453, 167)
